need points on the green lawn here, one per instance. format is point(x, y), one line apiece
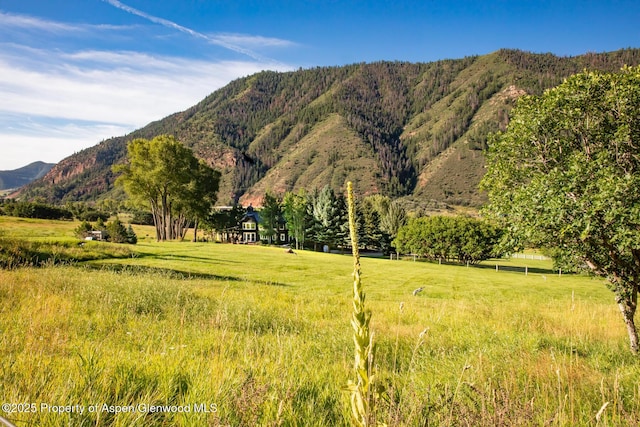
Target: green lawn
point(262, 337)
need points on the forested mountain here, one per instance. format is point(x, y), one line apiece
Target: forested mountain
point(24, 175)
point(396, 128)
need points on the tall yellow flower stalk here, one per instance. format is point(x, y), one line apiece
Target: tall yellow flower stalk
point(362, 388)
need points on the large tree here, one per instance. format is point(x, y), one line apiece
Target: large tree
point(295, 213)
point(328, 224)
point(270, 216)
point(164, 175)
point(566, 175)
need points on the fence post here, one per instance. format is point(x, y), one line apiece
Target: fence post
point(526, 270)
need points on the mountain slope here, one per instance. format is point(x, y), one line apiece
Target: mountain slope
point(395, 128)
point(24, 175)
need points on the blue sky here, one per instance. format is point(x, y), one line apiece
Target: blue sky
point(75, 72)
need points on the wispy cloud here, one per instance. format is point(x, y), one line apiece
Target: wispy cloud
point(8, 20)
point(129, 88)
point(254, 41)
point(25, 22)
point(231, 42)
point(59, 95)
point(94, 95)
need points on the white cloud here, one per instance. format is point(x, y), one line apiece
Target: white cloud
point(59, 93)
point(116, 92)
point(32, 23)
point(23, 146)
point(115, 87)
point(222, 41)
point(253, 41)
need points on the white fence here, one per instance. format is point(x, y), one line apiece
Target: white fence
point(530, 256)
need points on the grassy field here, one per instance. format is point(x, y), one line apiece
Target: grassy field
point(203, 334)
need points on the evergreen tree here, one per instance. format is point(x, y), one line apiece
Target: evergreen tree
point(270, 215)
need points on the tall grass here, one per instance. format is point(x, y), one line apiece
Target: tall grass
point(16, 253)
point(259, 334)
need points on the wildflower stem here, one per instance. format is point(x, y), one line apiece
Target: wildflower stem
point(361, 396)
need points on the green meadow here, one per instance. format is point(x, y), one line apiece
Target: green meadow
point(204, 334)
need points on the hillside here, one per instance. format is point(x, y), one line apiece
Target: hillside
point(402, 129)
point(24, 175)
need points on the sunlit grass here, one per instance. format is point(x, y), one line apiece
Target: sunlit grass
point(265, 336)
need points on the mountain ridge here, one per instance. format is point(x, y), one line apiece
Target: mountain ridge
point(15, 178)
point(397, 128)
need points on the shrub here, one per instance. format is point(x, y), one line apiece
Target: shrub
point(92, 215)
point(132, 238)
point(36, 210)
point(446, 238)
point(83, 229)
point(116, 231)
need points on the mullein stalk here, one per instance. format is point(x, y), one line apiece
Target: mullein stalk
point(362, 389)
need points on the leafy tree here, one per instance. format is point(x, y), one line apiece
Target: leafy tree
point(394, 218)
point(164, 175)
point(270, 215)
point(142, 218)
point(566, 175)
point(201, 195)
point(36, 210)
point(83, 229)
point(449, 238)
point(100, 225)
point(295, 213)
point(116, 231)
point(226, 221)
point(387, 215)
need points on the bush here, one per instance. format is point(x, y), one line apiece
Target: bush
point(449, 239)
point(116, 231)
point(92, 215)
point(83, 229)
point(36, 210)
point(131, 236)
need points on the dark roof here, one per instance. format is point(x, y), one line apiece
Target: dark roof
point(251, 215)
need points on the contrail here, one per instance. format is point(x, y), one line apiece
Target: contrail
point(170, 24)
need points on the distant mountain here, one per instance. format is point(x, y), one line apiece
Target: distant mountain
point(26, 174)
point(406, 130)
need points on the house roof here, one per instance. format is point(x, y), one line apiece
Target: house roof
point(251, 215)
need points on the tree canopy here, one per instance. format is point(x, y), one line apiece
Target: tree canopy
point(449, 238)
point(566, 175)
point(165, 176)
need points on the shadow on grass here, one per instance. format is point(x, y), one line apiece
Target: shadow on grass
point(169, 257)
point(172, 273)
point(517, 269)
point(491, 265)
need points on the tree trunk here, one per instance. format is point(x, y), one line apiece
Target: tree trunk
point(628, 309)
point(195, 230)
